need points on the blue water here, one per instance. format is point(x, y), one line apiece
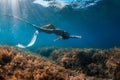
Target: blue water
point(99, 25)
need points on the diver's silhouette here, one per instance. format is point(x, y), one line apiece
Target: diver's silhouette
point(51, 29)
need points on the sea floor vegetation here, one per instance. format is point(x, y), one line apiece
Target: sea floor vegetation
point(52, 63)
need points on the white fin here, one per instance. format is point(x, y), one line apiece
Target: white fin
point(31, 43)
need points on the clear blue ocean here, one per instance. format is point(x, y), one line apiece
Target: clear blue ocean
point(99, 24)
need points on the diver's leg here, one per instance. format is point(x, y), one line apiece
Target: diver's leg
point(49, 31)
point(49, 26)
point(74, 36)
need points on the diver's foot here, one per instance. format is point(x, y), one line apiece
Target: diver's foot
point(79, 37)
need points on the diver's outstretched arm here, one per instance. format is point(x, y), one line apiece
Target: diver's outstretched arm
point(59, 38)
point(23, 20)
point(74, 36)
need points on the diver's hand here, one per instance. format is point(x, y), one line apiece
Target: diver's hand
point(59, 38)
point(55, 39)
point(34, 25)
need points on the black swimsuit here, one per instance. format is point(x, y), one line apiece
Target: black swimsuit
point(65, 35)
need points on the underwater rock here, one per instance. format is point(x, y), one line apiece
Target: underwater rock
point(61, 64)
point(113, 64)
point(45, 51)
point(92, 62)
point(75, 59)
point(20, 65)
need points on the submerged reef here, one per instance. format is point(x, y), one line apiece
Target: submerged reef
point(96, 63)
point(18, 65)
point(60, 64)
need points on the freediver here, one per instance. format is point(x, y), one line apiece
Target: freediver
point(51, 29)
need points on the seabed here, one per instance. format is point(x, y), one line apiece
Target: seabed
point(60, 64)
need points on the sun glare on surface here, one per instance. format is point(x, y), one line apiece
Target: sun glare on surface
point(75, 4)
point(10, 6)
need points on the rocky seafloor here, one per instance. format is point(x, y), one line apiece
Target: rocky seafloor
point(52, 63)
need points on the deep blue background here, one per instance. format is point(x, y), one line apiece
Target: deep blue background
point(99, 25)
